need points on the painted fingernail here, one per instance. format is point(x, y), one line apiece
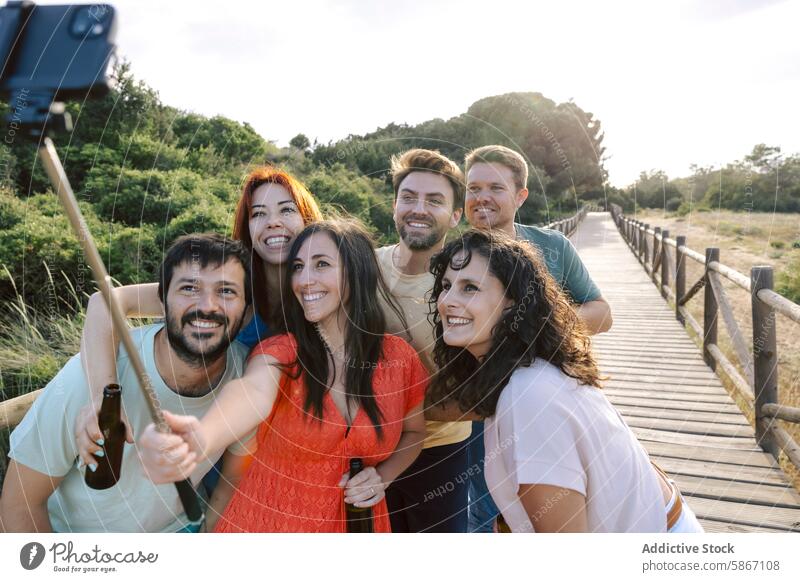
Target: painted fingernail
point(93, 467)
point(100, 442)
point(99, 454)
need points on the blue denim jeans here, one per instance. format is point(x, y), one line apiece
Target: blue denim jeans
point(482, 510)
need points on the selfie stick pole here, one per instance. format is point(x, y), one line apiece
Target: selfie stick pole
point(55, 171)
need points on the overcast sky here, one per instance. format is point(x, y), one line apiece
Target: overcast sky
point(674, 82)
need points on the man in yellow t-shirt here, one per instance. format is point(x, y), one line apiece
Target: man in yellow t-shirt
point(431, 495)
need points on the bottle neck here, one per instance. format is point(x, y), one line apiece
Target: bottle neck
point(356, 465)
point(112, 398)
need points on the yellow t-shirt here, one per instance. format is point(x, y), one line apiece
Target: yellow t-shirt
point(412, 292)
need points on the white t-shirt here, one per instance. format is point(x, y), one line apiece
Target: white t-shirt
point(550, 430)
point(45, 442)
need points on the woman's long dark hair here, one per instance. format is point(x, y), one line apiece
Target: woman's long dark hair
point(540, 323)
point(366, 323)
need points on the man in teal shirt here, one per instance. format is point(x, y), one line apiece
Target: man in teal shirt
point(497, 180)
point(496, 188)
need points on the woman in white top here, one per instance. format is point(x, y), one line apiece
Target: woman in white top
point(559, 458)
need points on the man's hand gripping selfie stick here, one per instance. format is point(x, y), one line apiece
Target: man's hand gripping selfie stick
point(55, 171)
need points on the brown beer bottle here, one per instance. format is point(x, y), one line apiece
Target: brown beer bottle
point(502, 525)
point(359, 519)
point(113, 429)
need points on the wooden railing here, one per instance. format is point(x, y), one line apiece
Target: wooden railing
point(12, 411)
point(758, 387)
point(567, 226)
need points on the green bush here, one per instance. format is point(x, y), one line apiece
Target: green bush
point(145, 152)
point(777, 244)
point(132, 255)
point(345, 191)
point(788, 283)
point(236, 143)
point(673, 204)
point(79, 161)
point(42, 245)
point(12, 210)
point(208, 215)
point(34, 248)
point(134, 197)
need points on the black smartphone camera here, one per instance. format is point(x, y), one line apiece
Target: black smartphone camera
point(50, 54)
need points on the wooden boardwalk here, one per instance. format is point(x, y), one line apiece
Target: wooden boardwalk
point(674, 403)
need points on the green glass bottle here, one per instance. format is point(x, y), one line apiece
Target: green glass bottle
point(113, 429)
point(359, 519)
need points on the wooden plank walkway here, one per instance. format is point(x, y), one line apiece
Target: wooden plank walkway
point(674, 403)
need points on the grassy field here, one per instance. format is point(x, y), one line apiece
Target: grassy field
point(34, 344)
point(745, 240)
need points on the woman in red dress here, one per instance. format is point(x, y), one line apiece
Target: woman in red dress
point(333, 388)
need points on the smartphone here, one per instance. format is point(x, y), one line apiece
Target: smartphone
point(55, 52)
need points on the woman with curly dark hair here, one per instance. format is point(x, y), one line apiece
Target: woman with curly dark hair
point(510, 348)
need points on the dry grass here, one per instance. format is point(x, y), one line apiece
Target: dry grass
point(745, 240)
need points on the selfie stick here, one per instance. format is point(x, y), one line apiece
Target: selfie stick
point(55, 171)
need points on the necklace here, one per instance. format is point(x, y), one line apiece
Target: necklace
point(326, 344)
point(324, 339)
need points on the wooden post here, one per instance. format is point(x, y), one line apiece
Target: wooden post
point(710, 308)
point(656, 233)
point(680, 276)
point(664, 263)
point(640, 242)
point(765, 357)
point(644, 244)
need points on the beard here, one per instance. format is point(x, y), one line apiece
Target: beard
point(191, 354)
point(421, 242)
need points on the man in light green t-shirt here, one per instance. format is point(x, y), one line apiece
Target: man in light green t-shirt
point(205, 289)
point(431, 495)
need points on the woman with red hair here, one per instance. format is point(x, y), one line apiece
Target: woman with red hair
point(273, 209)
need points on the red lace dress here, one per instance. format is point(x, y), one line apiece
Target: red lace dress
point(292, 483)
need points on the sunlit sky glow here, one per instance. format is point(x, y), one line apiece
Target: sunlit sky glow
point(674, 83)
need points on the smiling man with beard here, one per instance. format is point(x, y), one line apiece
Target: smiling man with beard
point(205, 287)
point(429, 198)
